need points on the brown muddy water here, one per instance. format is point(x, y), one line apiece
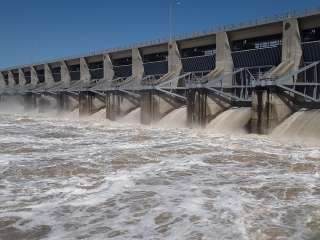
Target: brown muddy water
point(64, 178)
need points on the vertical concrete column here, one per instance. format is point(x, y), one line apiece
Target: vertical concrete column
point(174, 59)
point(85, 98)
point(22, 78)
point(108, 71)
point(65, 74)
point(291, 43)
point(34, 76)
point(137, 64)
point(196, 107)
point(2, 81)
point(148, 105)
point(113, 105)
point(203, 106)
point(11, 81)
point(85, 75)
point(49, 80)
point(224, 61)
point(269, 108)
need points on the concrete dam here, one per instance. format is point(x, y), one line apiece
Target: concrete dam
point(261, 78)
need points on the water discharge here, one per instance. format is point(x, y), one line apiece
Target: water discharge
point(303, 124)
point(132, 117)
point(175, 119)
point(61, 178)
point(234, 121)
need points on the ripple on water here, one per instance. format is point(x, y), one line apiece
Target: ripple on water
point(70, 179)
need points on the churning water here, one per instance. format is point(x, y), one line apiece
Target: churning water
point(304, 124)
point(63, 178)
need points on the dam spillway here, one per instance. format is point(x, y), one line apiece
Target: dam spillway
point(151, 142)
point(270, 70)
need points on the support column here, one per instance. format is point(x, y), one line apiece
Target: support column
point(174, 59)
point(108, 71)
point(202, 106)
point(85, 98)
point(291, 43)
point(11, 81)
point(49, 80)
point(113, 102)
point(147, 107)
point(137, 65)
point(224, 61)
point(64, 101)
point(85, 75)
point(154, 104)
point(34, 76)
point(119, 104)
point(65, 74)
point(269, 106)
point(2, 81)
point(22, 79)
point(291, 49)
point(30, 101)
point(85, 103)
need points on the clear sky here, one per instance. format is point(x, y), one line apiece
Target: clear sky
point(37, 30)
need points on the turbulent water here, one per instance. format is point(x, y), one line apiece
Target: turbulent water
point(63, 178)
point(303, 124)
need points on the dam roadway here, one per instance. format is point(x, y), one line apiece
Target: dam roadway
point(265, 71)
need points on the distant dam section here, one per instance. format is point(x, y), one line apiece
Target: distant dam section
point(261, 78)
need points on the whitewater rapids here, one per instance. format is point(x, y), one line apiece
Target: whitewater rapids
point(65, 178)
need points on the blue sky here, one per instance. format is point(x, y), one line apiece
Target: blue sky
point(37, 30)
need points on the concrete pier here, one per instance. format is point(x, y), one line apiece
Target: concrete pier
point(270, 106)
point(272, 67)
point(155, 104)
point(119, 104)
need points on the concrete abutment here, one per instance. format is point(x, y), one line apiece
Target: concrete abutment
point(269, 108)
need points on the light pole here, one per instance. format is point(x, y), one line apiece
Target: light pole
point(172, 4)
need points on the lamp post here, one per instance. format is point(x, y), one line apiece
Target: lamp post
point(172, 4)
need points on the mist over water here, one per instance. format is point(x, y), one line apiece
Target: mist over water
point(66, 178)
